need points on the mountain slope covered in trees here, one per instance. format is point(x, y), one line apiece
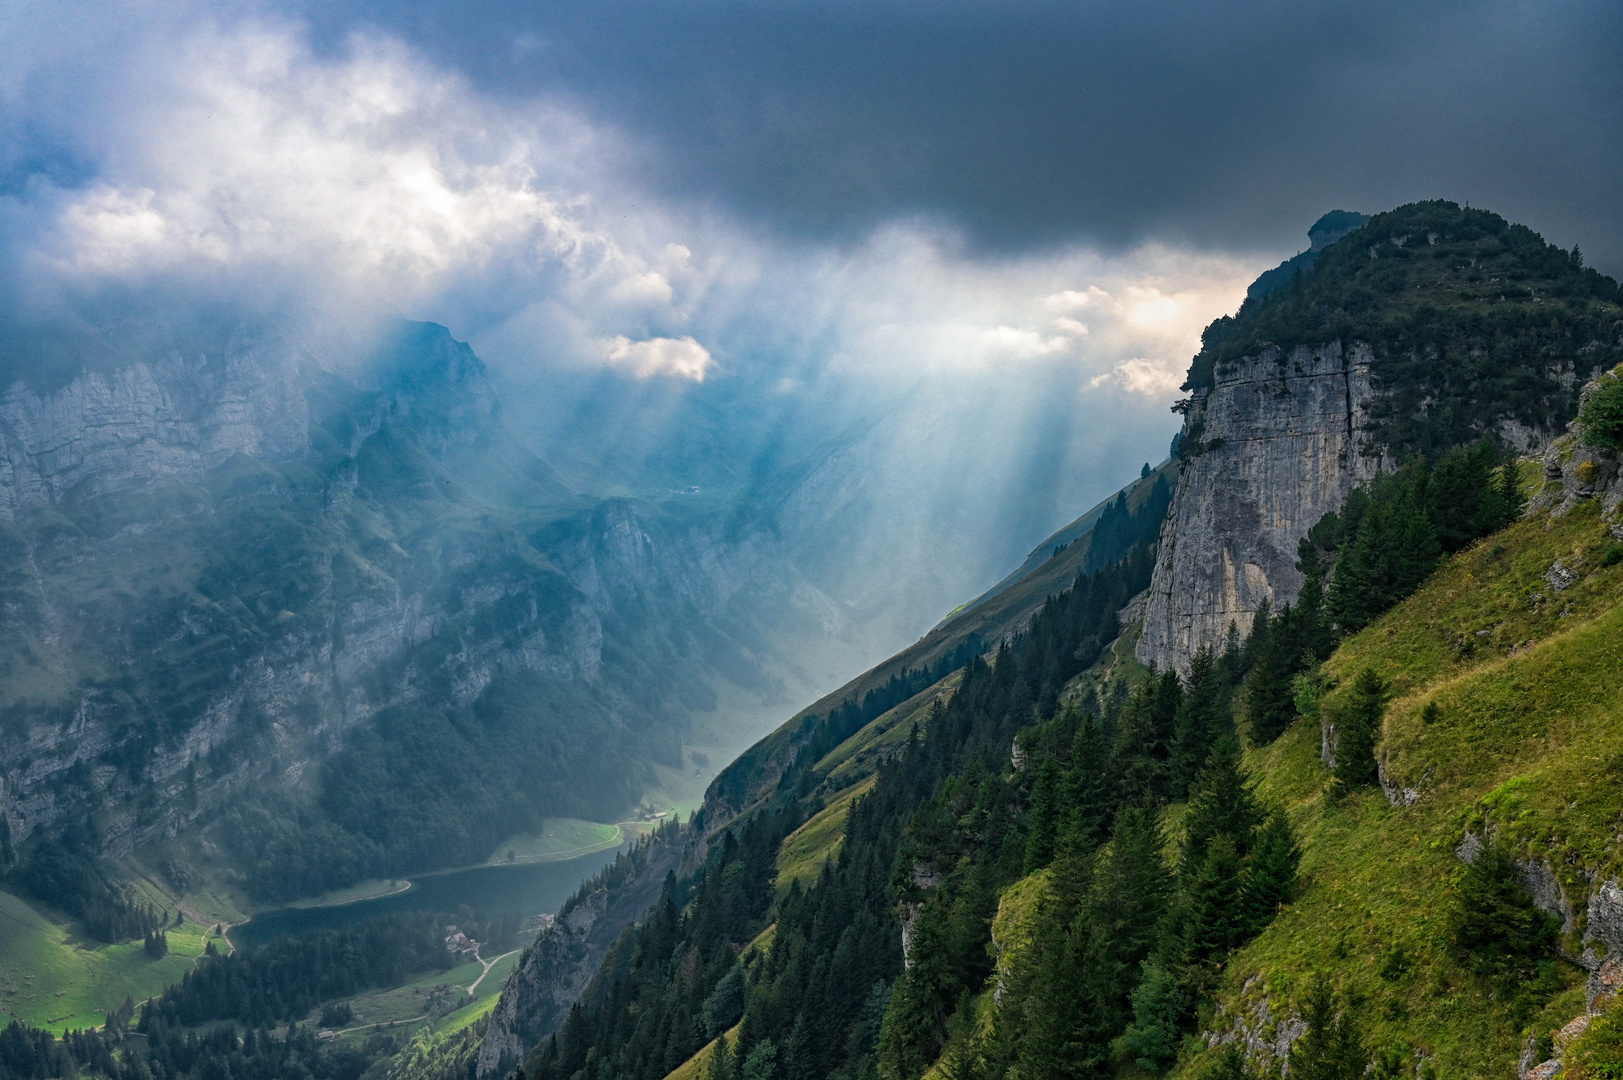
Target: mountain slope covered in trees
point(1217, 873)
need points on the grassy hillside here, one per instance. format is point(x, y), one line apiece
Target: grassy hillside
point(55, 980)
point(1525, 743)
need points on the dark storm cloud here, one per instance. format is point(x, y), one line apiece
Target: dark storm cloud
point(1033, 123)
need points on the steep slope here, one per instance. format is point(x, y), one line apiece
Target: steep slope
point(832, 749)
point(313, 597)
point(1097, 539)
point(1028, 891)
point(1430, 326)
point(1503, 726)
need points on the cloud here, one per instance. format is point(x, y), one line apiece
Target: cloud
point(1140, 375)
point(366, 177)
point(681, 357)
point(1033, 123)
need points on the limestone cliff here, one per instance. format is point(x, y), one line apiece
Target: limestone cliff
point(1269, 450)
point(230, 565)
point(1428, 327)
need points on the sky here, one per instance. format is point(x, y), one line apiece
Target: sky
point(719, 231)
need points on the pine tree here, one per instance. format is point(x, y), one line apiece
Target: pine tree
point(1144, 741)
point(1068, 1011)
point(1088, 786)
point(1270, 702)
point(1045, 816)
point(1270, 873)
point(1494, 923)
point(1131, 889)
point(1220, 804)
point(915, 1021)
point(1358, 725)
point(1160, 1004)
point(1215, 909)
point(1332, 1048)
point(1202, 717)
point(721, 1060)
point(1512, 501)
point(1231, 666)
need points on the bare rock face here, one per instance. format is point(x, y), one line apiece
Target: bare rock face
point(1269, 450)
point(174, 417)
point(554, 973)
point(1575, 471)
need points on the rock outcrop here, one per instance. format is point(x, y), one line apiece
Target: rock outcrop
point(556, 970)
point(1575, 470)
point(1270, 449)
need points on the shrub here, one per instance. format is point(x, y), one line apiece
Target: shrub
point(1598, 1053)
point(1602, 414)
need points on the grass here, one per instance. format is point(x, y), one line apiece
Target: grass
point(1528, 744)
point(696, 1066)
point(54, 980)
point(408, 1004)
point(1014, 926)
point(860, 755)
point(804, 851)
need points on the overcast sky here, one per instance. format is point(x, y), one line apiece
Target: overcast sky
point(1030, 208)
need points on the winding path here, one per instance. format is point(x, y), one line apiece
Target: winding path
point(488, 965)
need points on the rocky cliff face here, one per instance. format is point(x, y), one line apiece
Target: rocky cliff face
point(1270, 449)
point(221, 563)
point(556, 970)
point(1423, 328)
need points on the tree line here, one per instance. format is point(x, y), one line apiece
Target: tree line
point(813, 1002)
point(1358, 563)
point(282, 980)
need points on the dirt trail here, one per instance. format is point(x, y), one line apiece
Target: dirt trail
point(488, 965)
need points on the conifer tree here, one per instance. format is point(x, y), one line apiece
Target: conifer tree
point(721, 1060)
point(1270, 703)
point(1144, 741)
point(1215, 908)
point(1512, 500)
point(1202, 717)
point(1159, 1004)
point(1495, 925)
point(1270, 873)
point(1069, 1010)
point(1231, 665)
point(1131, 889)
point(1045, 816)
point(1332, 1048)
point(915, 1021)
point(1088, 786)
point(1358, 724)
point(1220, 804)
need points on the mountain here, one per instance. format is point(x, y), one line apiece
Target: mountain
point(1429, 326)
point(300, 602)
point(875, 710)
point(1054, 860)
